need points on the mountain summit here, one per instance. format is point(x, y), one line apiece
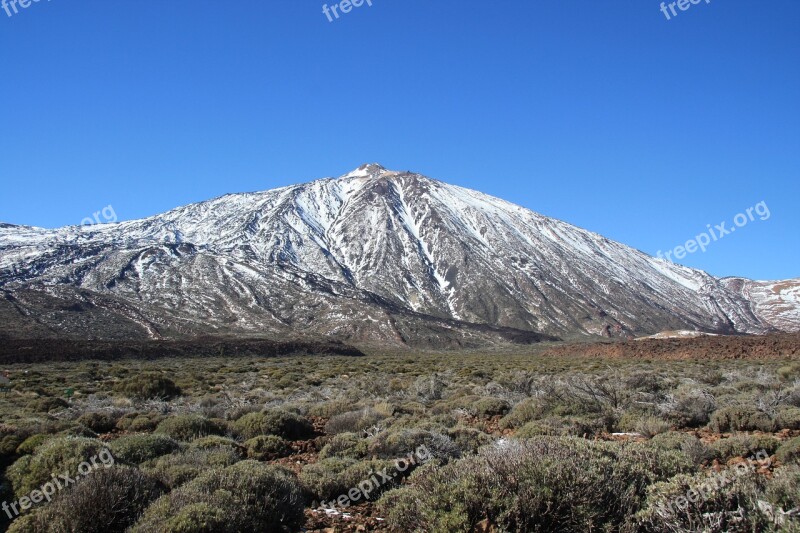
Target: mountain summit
point(374, 256)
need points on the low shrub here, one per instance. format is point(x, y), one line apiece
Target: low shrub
point(701, 502)
point(247, 496)
point(743, 445)
point(642, 463)
point(685, 443)
point(352, 421)
point(78, 430)
point(397, 443)
point(489, 407)
point(178, 468)
point(329, 478)
point(330, 409)
point(542, 484)
point(285, 424)
point(345, 445)
point(107, 501)
point(189, 427)
point(563, 426)
point(33, 442)
point(10, 439)
point(740, 418)
point(124, 422)
point(629, 419)
point(58, 455)
point(782, 490)
point(788, 418)
point(469, 440)
point(651, 426)
point(145, 422)
point(692, 408)
point(100, 421)
point(200, 517)
point(671, 440)
point(149, 386)
point(46, 405)
point(789, 451)
point(267, 448)
point(136, 449)
point(522, 413)
point(213, 442)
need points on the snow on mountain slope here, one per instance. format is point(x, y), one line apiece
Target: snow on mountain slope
point(777, 303)
point(372, 256)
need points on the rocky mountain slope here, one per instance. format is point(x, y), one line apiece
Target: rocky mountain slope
point(374, 256)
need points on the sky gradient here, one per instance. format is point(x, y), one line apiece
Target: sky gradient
point(603, 114)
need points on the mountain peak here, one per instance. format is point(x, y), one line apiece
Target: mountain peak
point(377, 256)
point(367, 170)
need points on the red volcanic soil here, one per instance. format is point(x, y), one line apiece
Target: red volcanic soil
point(784, 345)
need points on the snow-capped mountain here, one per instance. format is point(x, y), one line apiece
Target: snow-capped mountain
point(373, 256)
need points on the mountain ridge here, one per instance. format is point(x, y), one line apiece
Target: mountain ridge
point(372, 256)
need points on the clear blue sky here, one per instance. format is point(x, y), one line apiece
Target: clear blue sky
point(600, 113)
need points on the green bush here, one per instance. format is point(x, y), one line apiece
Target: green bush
point(551, 426)
point(30, 444)
point(352, 421)
point(685, 443)
point(189, 427)
point(107, 501)
point(149, 386)
point(136, 449)
point(740, 419)
point(29, 523)
point(216, 442)
point(197, 517)
point(788, 418)
point(522, 413)
point(10, 440)
point(332, 477)
point(178, 468)
point(345, 445)
point(641, 462)
point(267, 448)
point(542, 484)
point(145, 423)
point(285, 424)
point(62, 454)
point(330, 409)
point(124, 422)
point(671, 440)
point(726, 501)
point(247, 496)
point(693, 408)
point(782, 490)
point(45, 405)
point(78, 430)
point(789, 451)
point(100, 421)
point(467, 439)
point(489, 406)
point(563, 426)
point(397, 443)
point(743, 445)
point(651, 426)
